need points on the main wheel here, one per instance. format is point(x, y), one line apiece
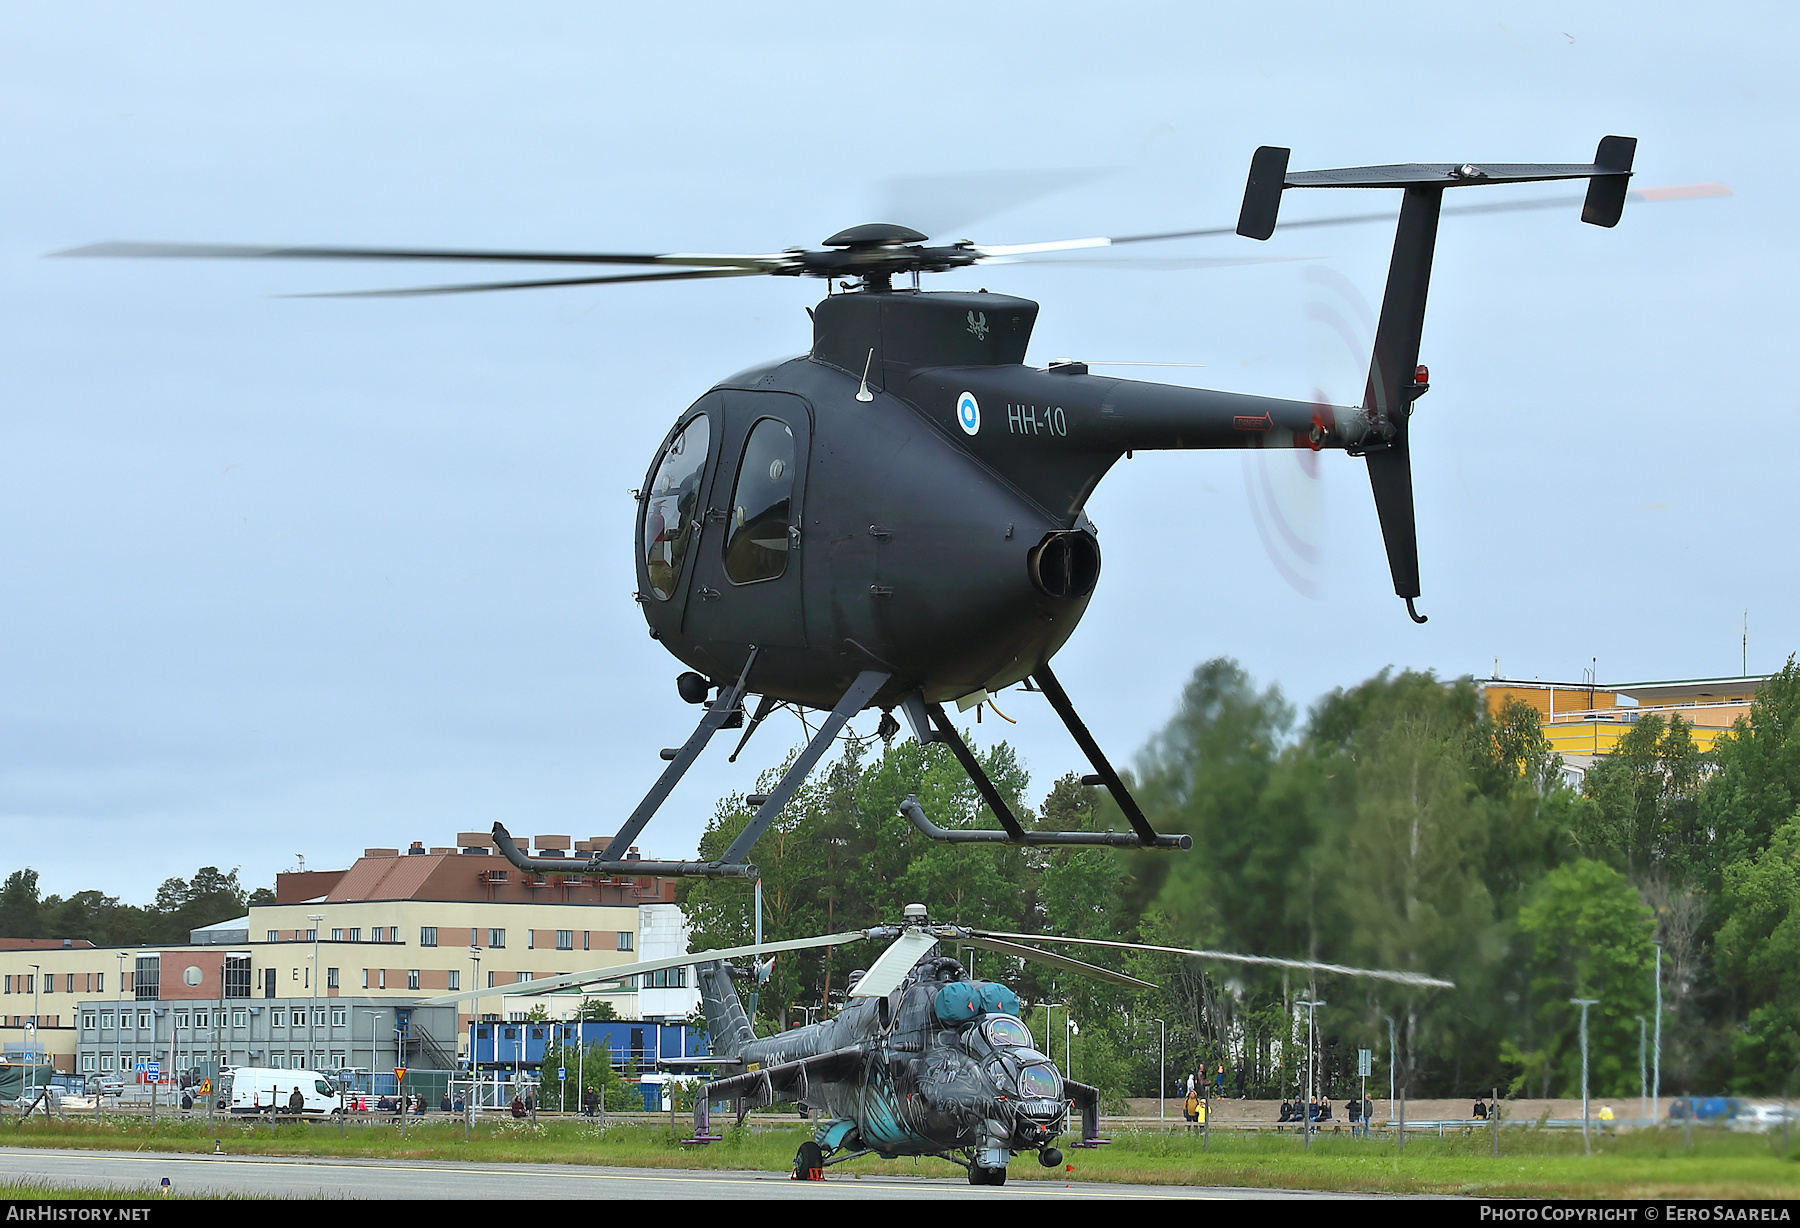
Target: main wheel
point(977, 1175)
point(809, 1162)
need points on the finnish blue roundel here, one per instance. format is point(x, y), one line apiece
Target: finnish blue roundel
point(968, 413)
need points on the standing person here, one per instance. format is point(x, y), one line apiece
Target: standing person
point(590, 1102)
point(1219, 1078)
point(297, 1102)
point(1190, 1108)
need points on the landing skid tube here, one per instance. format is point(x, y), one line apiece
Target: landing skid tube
point(612, 859)
point(931, 723)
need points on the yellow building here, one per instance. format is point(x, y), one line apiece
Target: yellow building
point(1584, 720)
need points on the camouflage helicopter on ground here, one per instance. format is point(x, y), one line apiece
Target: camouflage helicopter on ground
point(923, 1060)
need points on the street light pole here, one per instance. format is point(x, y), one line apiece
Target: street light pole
point(1587, 1143)
point(474, 1018)
point(374, 1057)
point(119, 1036)
point(312, 1011)
point(1162, 1066)
point(1311, 1006)
point(37, 975)
point(1656, 1053)
point(1643, 1066)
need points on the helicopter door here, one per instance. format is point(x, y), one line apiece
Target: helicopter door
point(746, 585)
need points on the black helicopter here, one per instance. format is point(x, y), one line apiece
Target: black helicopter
point(895, 519)
point(923, 1060)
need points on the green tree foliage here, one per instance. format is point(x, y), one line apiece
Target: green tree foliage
point(1643, 817)
point(182, 905)
point(1758, 951)
point(1589, 937)
point(1757, 785)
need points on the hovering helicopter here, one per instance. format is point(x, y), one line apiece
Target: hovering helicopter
point(896, 518)
point(923, 1060)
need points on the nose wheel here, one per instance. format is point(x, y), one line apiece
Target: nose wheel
point(986, 1176)
point(809, 1162)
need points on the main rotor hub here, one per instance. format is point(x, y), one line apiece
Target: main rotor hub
point(875, 234)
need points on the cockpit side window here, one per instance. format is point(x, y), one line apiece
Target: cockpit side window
point(756, 545)
point(1040, 1083)
point(672, 508)
point(1003, 1030)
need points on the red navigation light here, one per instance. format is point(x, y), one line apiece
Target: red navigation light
point(1421, 374)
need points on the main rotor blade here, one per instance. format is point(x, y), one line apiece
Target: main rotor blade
point(479, 287)
point(1307, 965)
point(893, 965)
point(233, 251)
point(618, 972)
point(1642, 195)
point(991, 943)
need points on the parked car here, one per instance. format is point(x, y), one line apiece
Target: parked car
point(1763, 1117)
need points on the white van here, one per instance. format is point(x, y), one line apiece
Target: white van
point(263, 1089)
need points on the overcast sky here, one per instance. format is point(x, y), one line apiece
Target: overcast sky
point(285, 576)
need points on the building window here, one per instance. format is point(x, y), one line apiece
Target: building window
point(144, 1020)
point(356, 935)
point(491, 976)
point(312, 935)
point(331, 978)
point(584, 939)
point(337, 935)
point(565, 940)
point(625, 937)
point(88, 1021)
point(337, 1058)
point(455, 980)
point(277, 1019)
point(106, 1061)
point(338, 1015)
point(521, 977)
point(428, 935)
point(87, 1061)
point(496, 939)
point(381, 978)
point(412, 978)
point(181, 1020)
point(365, 978)
point(531, 940)
point(240, 1019)
point(237, 976)
point(148, 980)
point(274, 936)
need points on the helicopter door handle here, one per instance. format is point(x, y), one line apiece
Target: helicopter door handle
point(794, 535)
point(708, 593)
point(716, 514)
point(878, 533)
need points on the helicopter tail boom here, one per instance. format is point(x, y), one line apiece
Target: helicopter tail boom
point(1395, 378)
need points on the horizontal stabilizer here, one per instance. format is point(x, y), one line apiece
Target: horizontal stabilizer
point(1608, 174)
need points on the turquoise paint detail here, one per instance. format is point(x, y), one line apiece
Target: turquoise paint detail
point(831, 1134)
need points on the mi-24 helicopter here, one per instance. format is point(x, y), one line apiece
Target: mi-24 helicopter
point(895, 519)
point(923, 1060)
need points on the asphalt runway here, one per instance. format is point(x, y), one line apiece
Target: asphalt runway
point(299, 1177)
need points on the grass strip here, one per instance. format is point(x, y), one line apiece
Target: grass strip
point(1533, 1162)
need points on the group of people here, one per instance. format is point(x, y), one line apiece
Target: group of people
point(1316, 1109)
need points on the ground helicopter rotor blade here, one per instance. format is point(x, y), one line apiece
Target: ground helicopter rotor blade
point(236, 251)
point(481, 287)
point(989, 943)
point(618, 972)
point(1305, 965)
point(1170, 263)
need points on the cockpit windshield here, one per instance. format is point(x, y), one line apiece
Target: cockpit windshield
point(1040, 1083)
point(1005, 1031)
